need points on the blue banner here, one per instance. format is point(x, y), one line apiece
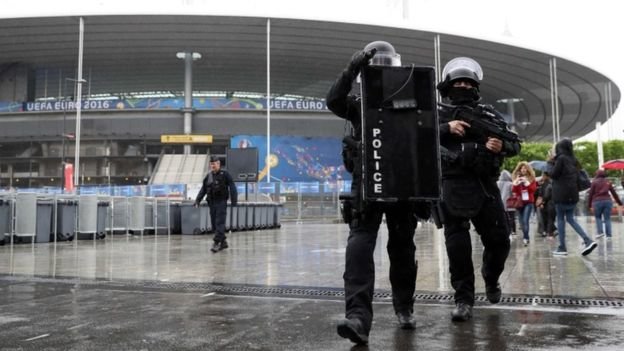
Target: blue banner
point(168, 103)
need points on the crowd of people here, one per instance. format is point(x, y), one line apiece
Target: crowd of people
point(553, 198)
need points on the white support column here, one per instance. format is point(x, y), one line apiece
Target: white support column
point(268, 101)
point(188, 58)
point(437, 64)
point(79, 81)
point(599, 145)
point(554, 99)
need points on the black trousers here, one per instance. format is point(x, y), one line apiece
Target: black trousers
point(491, 225)
point(549, 216)
point(359, 275)
point(218, 211)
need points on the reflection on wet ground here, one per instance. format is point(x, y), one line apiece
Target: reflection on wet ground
point(88, 294)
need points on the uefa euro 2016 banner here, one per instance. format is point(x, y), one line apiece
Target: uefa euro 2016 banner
point(166, 103)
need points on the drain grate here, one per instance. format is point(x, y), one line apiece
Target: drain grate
point(294, 291)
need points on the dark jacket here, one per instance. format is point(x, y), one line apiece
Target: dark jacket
point(218, 187)
point(565, 174)
point(348, 107)
point(600, 190)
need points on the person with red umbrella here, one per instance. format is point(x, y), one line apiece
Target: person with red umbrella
point(615, 165)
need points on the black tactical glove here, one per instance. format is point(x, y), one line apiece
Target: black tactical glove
point(359, 60)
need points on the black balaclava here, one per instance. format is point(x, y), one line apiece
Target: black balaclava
point(463, 96)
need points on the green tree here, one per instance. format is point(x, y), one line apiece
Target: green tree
point(529, 152)
point(585, 151)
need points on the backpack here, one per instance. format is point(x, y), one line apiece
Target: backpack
point(582, 180)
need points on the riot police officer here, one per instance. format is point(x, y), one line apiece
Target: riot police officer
point(469, 186)
point(364, 219)
point(216, 186)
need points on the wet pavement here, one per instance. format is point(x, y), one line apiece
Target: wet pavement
point(281, 289)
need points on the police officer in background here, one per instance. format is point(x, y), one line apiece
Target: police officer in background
point(469, 187)
point(217, 185)
point(365, 218)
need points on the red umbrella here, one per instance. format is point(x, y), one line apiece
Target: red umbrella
point(613, 164)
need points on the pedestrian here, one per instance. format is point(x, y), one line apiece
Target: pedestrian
point(469, 186)
point(217, 186)
point(545, 206)
point(599, 199)
point(524, 186)
point(504, 186)
point(364, 218)
point(564, 176)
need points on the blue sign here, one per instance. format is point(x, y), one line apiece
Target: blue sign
point(168, 103)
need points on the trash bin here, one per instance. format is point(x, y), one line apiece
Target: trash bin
point(44, 220)
point(102, 218)
point(228, 217)
point(193, 219)
point(65, 220)
point(234, 218)
point(278, 215)
point(175, 220)
point(162, 208)
point(241, 216)
point(260, 216)
point(271, 216)
point(251, 208)
point(5, 221)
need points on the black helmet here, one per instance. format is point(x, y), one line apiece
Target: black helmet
point(463, 68)
point(385, 54)
point(460, 68)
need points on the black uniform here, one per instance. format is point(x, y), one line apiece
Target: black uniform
point(359, 275)
point(470, 194)
point(216, 187)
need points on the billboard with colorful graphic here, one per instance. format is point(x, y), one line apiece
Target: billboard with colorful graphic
point(296, 158)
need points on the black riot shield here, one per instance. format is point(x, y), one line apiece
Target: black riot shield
point(400, 134)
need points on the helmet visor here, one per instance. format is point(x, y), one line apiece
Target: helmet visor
point(385, 59)
point(463, 67)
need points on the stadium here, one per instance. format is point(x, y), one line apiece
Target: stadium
point(255, 81)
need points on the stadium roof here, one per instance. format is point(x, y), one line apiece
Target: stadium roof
point(133, 53)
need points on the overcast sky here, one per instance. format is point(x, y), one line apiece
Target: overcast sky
point(586, 32)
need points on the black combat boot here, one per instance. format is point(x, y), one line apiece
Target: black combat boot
point(493, 293)
point(224, 245)
point(406, 320)
point(462, 312)
point(216, 246)
point(353, 330)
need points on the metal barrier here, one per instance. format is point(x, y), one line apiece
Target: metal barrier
point(87, 216)
point(23, 210)
point(121, 214)
point(136, 211)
